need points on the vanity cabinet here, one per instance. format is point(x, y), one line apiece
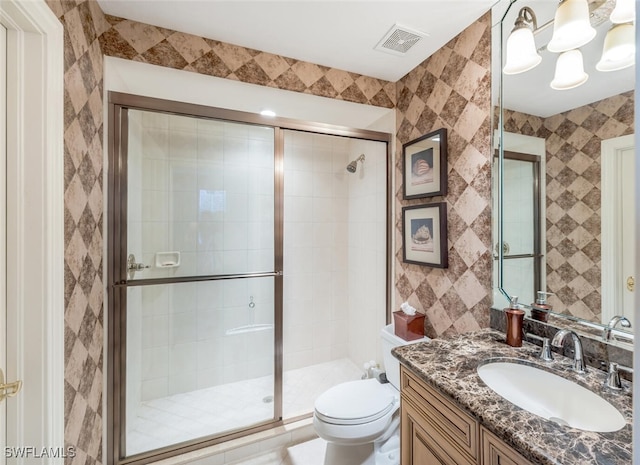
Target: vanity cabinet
point(435, 431)
point(496, 452)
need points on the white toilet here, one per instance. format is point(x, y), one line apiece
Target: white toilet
point(360, 419)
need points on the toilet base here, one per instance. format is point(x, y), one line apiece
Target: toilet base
point(337, 454)
point(388, 452)
point(384, 452)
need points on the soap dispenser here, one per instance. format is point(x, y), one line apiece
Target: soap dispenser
point(515, 317)
point(540, 308)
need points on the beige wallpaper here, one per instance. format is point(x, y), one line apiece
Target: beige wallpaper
point(573, 196)
point(452, 89)
point(164, 47)
point(83, 176)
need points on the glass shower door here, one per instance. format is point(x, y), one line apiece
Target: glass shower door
point(200, 279)
point(522, 230)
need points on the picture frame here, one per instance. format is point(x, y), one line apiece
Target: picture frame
point(424, 165)
point(424, 235)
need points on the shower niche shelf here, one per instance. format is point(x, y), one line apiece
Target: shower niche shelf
point(167, 259)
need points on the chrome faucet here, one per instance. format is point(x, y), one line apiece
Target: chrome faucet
point(613, 322)
point(545, 353)
point(579, 365)
point(613, 376)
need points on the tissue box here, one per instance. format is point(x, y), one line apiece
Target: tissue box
point(408, 327)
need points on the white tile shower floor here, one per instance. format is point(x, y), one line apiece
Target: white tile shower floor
point(191, 415)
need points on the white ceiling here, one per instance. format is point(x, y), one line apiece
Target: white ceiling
point(337, 34)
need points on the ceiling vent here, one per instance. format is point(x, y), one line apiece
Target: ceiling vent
point(399, 40)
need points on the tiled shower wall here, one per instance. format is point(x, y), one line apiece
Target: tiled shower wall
point(452, 89)
point(367, 251)
point(334, 248)
point(204, 189)
point(431, 96)
point(573, 195)
point(315, 249)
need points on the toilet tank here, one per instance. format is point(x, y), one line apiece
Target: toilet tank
point(391, 364)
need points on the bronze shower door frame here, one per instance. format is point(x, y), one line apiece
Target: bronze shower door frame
point(537, 253)
point(118, 282)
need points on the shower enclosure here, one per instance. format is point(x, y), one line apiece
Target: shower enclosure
point(521, 246)
point(247, 270)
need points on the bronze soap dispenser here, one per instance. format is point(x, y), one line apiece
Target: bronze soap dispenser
point(515, 317)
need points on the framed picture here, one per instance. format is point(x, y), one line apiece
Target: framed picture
point(424, 165)
point(424, 235)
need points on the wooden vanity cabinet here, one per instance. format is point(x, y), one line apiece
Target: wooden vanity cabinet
point(422, 443)
point(496, 452)
point(435, 431)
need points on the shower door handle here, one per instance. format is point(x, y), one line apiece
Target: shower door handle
point(132, 266)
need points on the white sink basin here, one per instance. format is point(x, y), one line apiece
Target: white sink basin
point(551, 397)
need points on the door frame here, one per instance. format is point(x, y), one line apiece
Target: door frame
point(35, 225)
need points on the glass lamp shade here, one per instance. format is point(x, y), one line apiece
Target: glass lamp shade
point(619, 48)
point(522, 54)
point(624, 12)
point(571, 28)
point(569, 71)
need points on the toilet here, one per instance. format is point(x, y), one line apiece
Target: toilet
point(360, 419)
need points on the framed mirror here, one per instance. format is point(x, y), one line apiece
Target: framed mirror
point(565, 152)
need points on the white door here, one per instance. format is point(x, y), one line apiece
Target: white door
point(618, 228)
point(31, 232)
point(628, 206)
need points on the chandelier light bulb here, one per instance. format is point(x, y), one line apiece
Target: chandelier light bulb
point(624, 12)
point(569, 71)
point(619, 48)
point(571, 28)
point(522, 54)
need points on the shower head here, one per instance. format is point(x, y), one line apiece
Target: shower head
point(351, 167)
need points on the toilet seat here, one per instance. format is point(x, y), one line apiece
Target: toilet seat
point(356, 402)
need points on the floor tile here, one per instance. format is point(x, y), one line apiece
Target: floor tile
point(195, 414)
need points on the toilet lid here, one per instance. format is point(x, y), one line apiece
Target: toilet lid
point(355, 402)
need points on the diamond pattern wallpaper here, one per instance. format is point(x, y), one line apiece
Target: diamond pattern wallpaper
point(84, 314)
point(451, 89)
point(573, 220)
point(150, 44)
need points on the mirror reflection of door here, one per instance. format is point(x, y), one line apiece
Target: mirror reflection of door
point(618, 227)
point(523, 233)
point(521, 227)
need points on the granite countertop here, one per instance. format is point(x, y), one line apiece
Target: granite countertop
point(450, 366)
